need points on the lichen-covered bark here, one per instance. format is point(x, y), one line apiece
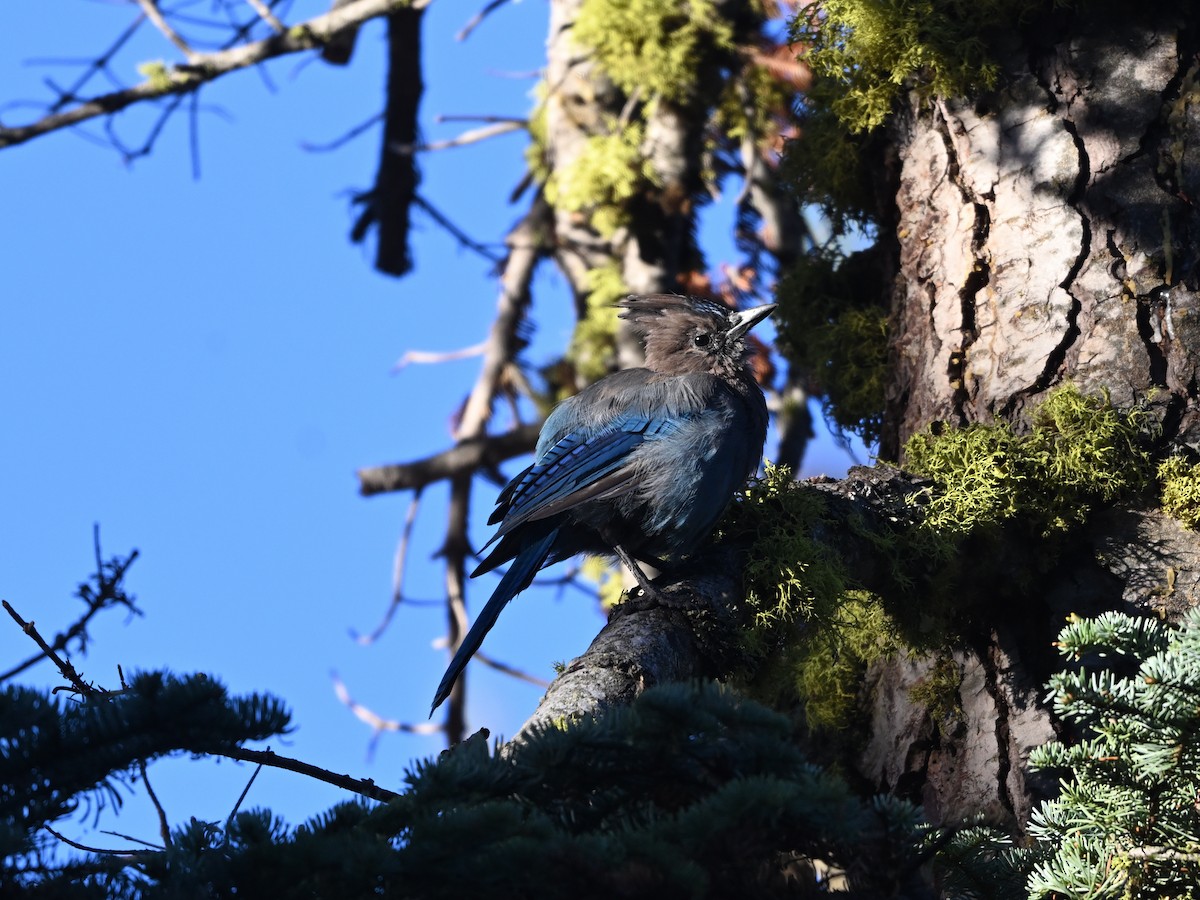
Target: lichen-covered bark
point(582, 102)
point(1044, 233)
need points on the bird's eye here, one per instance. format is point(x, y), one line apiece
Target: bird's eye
point(703, 339)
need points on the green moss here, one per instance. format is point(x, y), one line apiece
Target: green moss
point(830, 327)
point(831, 660)
point(814, 631)
point(874, 49)
point(789, 577)
point(1180, 483)
point(655, 47)
point(1080, 452)
point(938, 691)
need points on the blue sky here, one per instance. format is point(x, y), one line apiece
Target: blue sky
point(201, 365)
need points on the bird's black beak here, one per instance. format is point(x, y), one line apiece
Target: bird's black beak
point(744, 319)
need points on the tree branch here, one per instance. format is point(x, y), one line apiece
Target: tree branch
point(363, 786)
point(466, 456)
point(205, 67)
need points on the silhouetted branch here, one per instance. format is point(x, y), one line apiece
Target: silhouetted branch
point(346, 138)
point(48, 652)
point(107, 593)
point(362, 786)
point(461, 236)
point(387, 205)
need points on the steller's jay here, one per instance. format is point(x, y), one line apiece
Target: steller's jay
point(641, 463)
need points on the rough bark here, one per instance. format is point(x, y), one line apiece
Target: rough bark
point(1043, 232)
point(1046, 234)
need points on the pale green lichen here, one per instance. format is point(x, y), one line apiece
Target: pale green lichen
point(1180, 484)
point(593, 344)
point(609, 172)
point(606, 577)
point(830, 327)
point(833, 657)
point(1080, 452)
point(157, 74)
point(658, 48)
point(938, 692)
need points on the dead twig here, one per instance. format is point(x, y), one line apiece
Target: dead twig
point(67, 670)
point(203, 68)
point(426, 357)
point(267, 16)
point(150, 11)
point(398, 568)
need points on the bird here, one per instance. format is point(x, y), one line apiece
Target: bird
point(639, 464)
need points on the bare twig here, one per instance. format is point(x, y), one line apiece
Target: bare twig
point(519, 674)
point(461, 236)
point(463, 117)
point(398, 567)
point(164, 826)
point(150, 11)
point(476, 19)
point(474, 136)
point(101, 850)
point(527, 243)
point(267, 16)
point(346, 138)
point(107, 594)
point(376, 721)
point(362, 786)
point(422, 357)
point(241, 797)
point(205, 67)
point(527, 246)
point(67, 670)
point(466, 456)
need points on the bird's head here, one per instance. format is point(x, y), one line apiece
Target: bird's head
point(684, 335)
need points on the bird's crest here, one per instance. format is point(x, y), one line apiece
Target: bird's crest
point(643, 310)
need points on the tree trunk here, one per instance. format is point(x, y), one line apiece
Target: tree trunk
point(1048, 233)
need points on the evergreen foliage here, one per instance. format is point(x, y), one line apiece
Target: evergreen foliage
point(1127, 823)
point(690, 792)
point(57, 756)
point(833, 325)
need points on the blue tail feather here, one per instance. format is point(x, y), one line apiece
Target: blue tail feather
point(515, 580)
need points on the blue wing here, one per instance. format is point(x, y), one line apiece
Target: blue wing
point(579, 466)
